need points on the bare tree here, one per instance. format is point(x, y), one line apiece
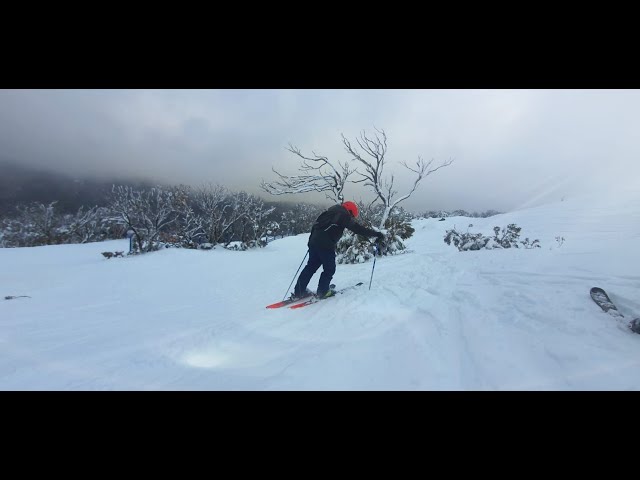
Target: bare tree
point(376, 149)
point(320, 175)
point(85, 226)
point(219, 210)
point(299, 218)
point(189, 226)
point(255, 221)
point(37, 224)
point(40, 224)
point(147, 213)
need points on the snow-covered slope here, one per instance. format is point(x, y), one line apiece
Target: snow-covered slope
point(434, 319)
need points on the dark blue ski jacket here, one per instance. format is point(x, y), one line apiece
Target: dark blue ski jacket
point(330, 225)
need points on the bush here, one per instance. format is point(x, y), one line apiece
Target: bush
point(354, 248)
point(505, 238)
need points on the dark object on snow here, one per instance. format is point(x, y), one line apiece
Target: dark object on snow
point(441, 220)
point(113, 254)
point(602, 299)
point(11, 297)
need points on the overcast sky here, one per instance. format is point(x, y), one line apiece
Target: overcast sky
point(511, 148)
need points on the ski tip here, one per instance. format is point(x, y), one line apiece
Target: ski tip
point(597, 291)
point(278, 304)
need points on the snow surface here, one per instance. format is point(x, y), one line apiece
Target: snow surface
point(434, 319)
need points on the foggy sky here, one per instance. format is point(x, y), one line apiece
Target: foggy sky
point(511, 148)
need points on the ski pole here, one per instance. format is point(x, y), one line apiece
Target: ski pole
point(375, 248)
point(294, 277)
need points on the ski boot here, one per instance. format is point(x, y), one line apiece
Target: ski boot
point(329, 293)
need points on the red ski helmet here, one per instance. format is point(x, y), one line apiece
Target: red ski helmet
point(352, 208)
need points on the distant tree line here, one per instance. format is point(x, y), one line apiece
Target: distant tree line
point(160, 216)
point(187, 217)
point(39, 208)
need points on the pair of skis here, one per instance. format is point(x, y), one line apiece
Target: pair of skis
point(308, 300)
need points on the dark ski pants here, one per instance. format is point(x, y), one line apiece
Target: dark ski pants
point(317, 257)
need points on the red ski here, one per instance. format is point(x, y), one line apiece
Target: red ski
point(313, 300)
point(286, 302)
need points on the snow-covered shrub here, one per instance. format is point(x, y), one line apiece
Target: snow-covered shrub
point(503, 238)
point(273, 230)
point(509, 237)
point(528, 244)
point(236, 245)
point(441, 214)
point(466, 241)
point(243, 246)
point(354, 248)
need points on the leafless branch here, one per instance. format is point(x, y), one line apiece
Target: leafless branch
point(320, 175)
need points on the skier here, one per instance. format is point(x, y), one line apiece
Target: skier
point(325, 233)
